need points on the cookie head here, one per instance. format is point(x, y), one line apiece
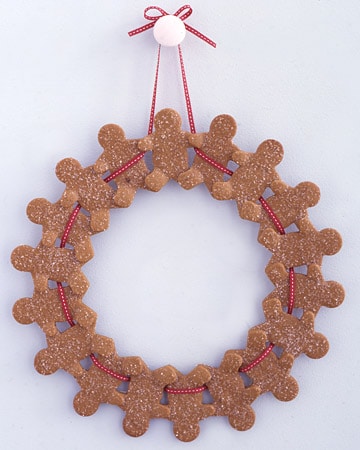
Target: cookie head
point(110, 134)
point(335, 294)
point(167, 119)
point(223, 126)
point(68, 170)
point(330, 241)
point(37, 209)
point(271, 152)
point(21, 258)
point(22, 311)
point(308, 192)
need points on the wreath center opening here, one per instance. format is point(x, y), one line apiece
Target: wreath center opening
point(177, 278)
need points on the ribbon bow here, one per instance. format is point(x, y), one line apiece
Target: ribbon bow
point(182, 13)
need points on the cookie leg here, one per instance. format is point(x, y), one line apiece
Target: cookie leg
point(156, 180)
point(84, 404)
point(242, 418)
point(190, 178)
point(135, 424)
point(124, 196)
point(250, 211)
point(84, 250)
point(222, 190)
point(99, 220)
point(78, 283)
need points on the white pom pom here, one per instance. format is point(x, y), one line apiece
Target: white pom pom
point(169, 31)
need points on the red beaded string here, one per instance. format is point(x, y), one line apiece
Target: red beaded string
point(206, 158)
point(212, 162)
point(153, 101)
point(195, 390)
point(281, 230)
point(107, 370)
point(262, 201)
point(69, 225)
point(125, 167)
point(291, 298)
point(272, 215)
point(291, 290)
point(258, 360)
point(186, 92)
point(64, 304)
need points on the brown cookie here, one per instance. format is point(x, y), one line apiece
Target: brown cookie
point(99, 386)
point(293, 335)
point(143, 399)
point(218, 146)
point(311, 290)
point(85, 186)
point(54, 218)
point(231, 398)
point(45, 308)
point(255, 173)
point(118, 151)
point(169, 146)
point(50, 263)
point(270, 374)
point(305, 247)
point(288, 203)
point(187, 409)
point(65, 350)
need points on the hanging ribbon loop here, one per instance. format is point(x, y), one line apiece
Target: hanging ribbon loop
point(182, 13)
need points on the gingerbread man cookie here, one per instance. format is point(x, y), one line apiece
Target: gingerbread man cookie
point(288, 203)
point(169, 146)
point(271, 374)
point(85, 186)
point(255, 173)
point(99, 386)
point(118, 151)
point(187, 408)
point(65, 350)
point(293, 335)
point(311, 292)
point(50, 263)
point(45, 309)
point(231, 398)
point(54, 217)
point(216, 144)
point(143, 398)
point(305, 247)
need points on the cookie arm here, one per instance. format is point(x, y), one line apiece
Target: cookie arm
point(49, 237)
point(147, 143)
point(234, 149)
point(40, 281)
point(251, 211)
point(196, 139)
point(278, 186)
point(101, 165)
point(103, 345)
point(240, 157)
point(68, 198)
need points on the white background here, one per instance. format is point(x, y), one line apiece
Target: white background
point(178, 278)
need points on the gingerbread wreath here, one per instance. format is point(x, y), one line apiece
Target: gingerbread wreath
point(84, 210)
